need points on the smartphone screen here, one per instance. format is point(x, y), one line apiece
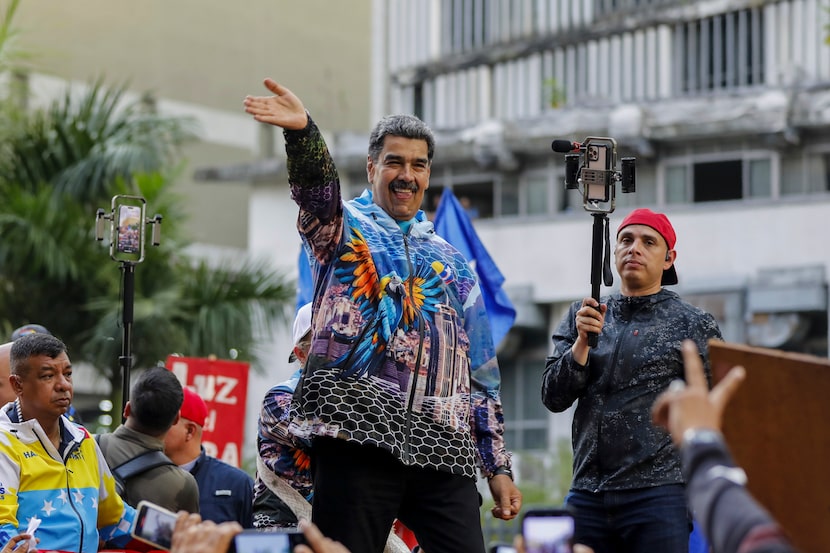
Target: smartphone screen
point(267, 541)
point(548, 531)
point(128, 229)
point(154, 525)
point(129, 225)
point(595, 175)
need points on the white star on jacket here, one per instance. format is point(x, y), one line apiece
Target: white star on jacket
point(79, 496)
point(47, 508)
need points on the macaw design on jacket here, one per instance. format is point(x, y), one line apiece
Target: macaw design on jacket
point(388, 302)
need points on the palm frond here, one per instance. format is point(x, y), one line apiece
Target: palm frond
point(39, 239)
point(232, 305)
point(82, 146)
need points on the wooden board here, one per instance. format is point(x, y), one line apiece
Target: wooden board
point(778, 429)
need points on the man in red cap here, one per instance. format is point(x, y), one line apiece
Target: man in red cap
point(225, 492)
point(627, 492)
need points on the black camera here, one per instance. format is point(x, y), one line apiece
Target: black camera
point(592, 164)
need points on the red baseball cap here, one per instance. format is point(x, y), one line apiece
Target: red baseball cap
point(193, 407)
point(662, 225)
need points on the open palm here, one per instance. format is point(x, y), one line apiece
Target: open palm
point(283, 109)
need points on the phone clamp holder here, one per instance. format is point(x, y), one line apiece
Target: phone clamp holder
point(127, 236)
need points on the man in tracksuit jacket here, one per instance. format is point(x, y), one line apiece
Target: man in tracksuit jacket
point(401, 389)
point(50, 468)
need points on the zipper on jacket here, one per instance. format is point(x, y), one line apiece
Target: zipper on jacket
point(407, 453)
point(608, 385)
point(69, 451)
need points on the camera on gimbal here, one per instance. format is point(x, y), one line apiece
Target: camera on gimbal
point(592, 164)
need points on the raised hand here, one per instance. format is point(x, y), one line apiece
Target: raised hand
point(283, 109)
point(692, 405)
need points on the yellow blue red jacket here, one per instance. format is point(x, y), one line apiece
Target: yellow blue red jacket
point(70, 489)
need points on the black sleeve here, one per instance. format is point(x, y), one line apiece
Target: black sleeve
point(729, 516)
point(564, 380)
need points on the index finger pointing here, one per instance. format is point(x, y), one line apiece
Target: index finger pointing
point(693, 366)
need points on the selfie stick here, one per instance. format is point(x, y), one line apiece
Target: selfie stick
point(128, 283)
point(598, 268)
point(127, 279)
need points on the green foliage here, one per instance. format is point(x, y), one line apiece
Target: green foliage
point(555, 93)
point(545, 478)
point(82, 146)
point(58, 165)
point(11, 55)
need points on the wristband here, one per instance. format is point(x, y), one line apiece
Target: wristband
point(697, 436)
point(503, 469)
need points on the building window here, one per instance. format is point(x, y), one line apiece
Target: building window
point(816, 174)
point(676, 189)
point(509, 196)
point(476, 198)
point(432, 197)
point(526, 418)
point(607, 7)
point(537, 194)
point(760, 178)
point(720, 52)
point(717, 180)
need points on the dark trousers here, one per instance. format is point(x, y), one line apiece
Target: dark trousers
point(360, 490)
point(644, 520)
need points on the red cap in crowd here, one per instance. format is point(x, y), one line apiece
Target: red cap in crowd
point(193, 407)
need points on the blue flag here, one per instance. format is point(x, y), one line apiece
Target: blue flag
point(305, 284)
point(453, 225)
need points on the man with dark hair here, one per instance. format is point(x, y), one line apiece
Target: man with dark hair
point(155, 400)
point(400, 393)
point(627, 492)
point(51, 469)
point(6, 394)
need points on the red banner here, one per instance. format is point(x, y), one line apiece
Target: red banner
point(224, 387)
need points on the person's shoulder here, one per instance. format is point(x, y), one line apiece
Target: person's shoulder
point(683, 304)
point(281, 390)
point(227, 469)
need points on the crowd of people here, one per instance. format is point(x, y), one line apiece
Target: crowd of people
point(394, 410)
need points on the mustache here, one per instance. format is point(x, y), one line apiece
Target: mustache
point(399, 185)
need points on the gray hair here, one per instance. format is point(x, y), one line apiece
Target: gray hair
point(406, 126)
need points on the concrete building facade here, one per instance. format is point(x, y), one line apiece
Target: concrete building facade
point(724, 105)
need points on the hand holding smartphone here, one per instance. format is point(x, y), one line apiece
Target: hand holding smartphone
point(548, 531)
point(154, 525)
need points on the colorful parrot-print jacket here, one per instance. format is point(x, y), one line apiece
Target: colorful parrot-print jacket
point(70, 489)
point(401, 355)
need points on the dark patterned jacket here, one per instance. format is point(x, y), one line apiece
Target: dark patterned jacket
point(616, 447)
point(401, 355)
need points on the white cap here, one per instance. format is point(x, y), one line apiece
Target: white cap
point(302, 326)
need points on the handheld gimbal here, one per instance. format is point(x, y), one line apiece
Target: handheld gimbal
point(592, 165)
point(127, 235)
